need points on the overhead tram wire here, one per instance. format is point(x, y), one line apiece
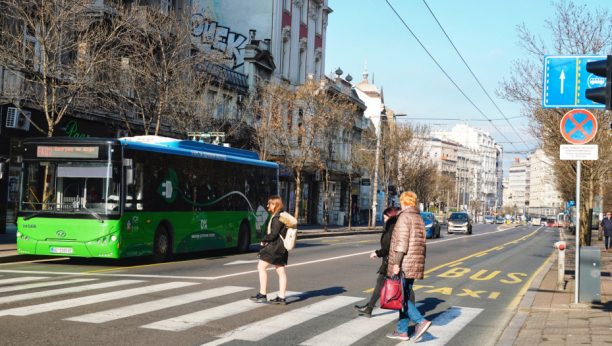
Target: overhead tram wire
point(473, 75)
point(447, 76)
point(453, 119)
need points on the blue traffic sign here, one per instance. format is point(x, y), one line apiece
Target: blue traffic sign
point(566, 80)
point(572, 203)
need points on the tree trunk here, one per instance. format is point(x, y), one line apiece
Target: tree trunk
point(350, 204)
point(326, 201)
point(298, 190)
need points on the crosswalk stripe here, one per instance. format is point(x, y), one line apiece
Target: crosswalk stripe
point(355, 329)
point(68, 290)
point(200, 318)
point(98, 298)
point(262, 329)
point(445, 326)
point(21, 279)
point(137, 309)
point(42, 284)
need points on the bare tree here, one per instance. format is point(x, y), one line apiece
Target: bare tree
point(574, 30)
point(161, 77)
point(53, 51)
point(336, 114)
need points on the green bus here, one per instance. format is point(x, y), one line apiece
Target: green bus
point(140, 196)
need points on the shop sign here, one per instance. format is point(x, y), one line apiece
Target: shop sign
point(72, 130)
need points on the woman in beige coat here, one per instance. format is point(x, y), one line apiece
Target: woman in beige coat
point(407, 253)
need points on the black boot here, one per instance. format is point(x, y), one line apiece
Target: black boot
point(364, 310)
point(260, 298)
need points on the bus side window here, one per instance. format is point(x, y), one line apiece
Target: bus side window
point(134, 193)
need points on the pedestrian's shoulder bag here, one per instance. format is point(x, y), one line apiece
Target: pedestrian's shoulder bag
point(291, 223)
point(392, 294)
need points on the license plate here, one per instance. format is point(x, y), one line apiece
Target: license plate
point(61, 250)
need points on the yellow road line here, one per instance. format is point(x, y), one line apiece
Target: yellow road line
point(368, 291)
point(515, 302)
point(479, 254)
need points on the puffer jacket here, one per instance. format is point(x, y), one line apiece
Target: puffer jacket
point(385, 243)
point(409, 237)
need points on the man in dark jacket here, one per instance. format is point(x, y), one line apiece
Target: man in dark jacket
point(606, 225)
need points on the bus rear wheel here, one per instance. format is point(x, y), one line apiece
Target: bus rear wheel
point(160, 245)
point(244, 238)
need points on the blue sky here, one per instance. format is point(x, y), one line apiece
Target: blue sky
point(484, 31)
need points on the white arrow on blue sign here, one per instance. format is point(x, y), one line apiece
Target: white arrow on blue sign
point(566, 80)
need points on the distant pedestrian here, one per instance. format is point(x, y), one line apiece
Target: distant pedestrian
point(606, 225)
point(273, 252)
point(390, 217)
point(407, 253)
point(355, 211)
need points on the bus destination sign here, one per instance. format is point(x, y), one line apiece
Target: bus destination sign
point(67, 152)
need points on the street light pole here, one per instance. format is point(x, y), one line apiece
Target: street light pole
point(374, 190)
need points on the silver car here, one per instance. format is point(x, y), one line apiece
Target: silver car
point(459, 222)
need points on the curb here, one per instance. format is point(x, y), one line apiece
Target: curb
point(335, 234)
point(511, 331)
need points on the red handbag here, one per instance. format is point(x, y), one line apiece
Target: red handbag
point(392, 294)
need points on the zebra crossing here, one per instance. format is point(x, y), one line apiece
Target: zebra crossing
point(444, 327)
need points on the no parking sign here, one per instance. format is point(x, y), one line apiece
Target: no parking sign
point(578, 126)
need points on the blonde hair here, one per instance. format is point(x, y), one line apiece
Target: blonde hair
point(408, 199)
point(277, 204)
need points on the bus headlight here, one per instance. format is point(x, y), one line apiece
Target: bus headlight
point(113, 238)
point(18, 234)
point(99, 241)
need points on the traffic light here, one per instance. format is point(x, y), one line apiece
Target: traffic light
point(515, 207)
point(603, 95)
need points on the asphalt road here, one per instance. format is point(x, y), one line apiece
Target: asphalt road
point(472, 286)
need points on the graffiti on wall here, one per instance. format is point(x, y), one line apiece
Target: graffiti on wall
point(212, 35)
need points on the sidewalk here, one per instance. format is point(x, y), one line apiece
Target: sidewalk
point(547, 316)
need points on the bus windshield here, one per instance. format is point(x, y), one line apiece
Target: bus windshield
point(71, 188)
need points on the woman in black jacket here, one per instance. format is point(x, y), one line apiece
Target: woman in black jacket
point(390, 218)
point(273, 252)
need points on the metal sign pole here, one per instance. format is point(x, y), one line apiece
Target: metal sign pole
point(577, 268)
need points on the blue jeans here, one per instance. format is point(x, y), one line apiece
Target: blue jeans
point(409, 312)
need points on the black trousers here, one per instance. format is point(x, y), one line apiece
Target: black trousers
point(608, 242)
point(380, 282)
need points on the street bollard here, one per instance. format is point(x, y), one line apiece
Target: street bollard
point(560, 246)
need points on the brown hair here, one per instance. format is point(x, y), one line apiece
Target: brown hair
point(390, 211)
point(277, 204)
point(408, 199)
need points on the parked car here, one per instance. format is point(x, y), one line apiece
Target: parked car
point(459, 222)
point(431, 225)
point(499, 220)
point(489, 219)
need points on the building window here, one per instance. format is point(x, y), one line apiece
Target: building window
point(286, 48)
point(165, 6)
point(31, 46)
point(302, 67)
point(287, 5)
point(317, 68)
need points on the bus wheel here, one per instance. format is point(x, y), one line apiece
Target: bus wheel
point(244, 239)
point(160, 245)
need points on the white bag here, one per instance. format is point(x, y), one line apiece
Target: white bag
point(291, 223)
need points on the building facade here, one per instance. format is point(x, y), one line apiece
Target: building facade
point(517, 183)
point(544, 199)
point(486, 187)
